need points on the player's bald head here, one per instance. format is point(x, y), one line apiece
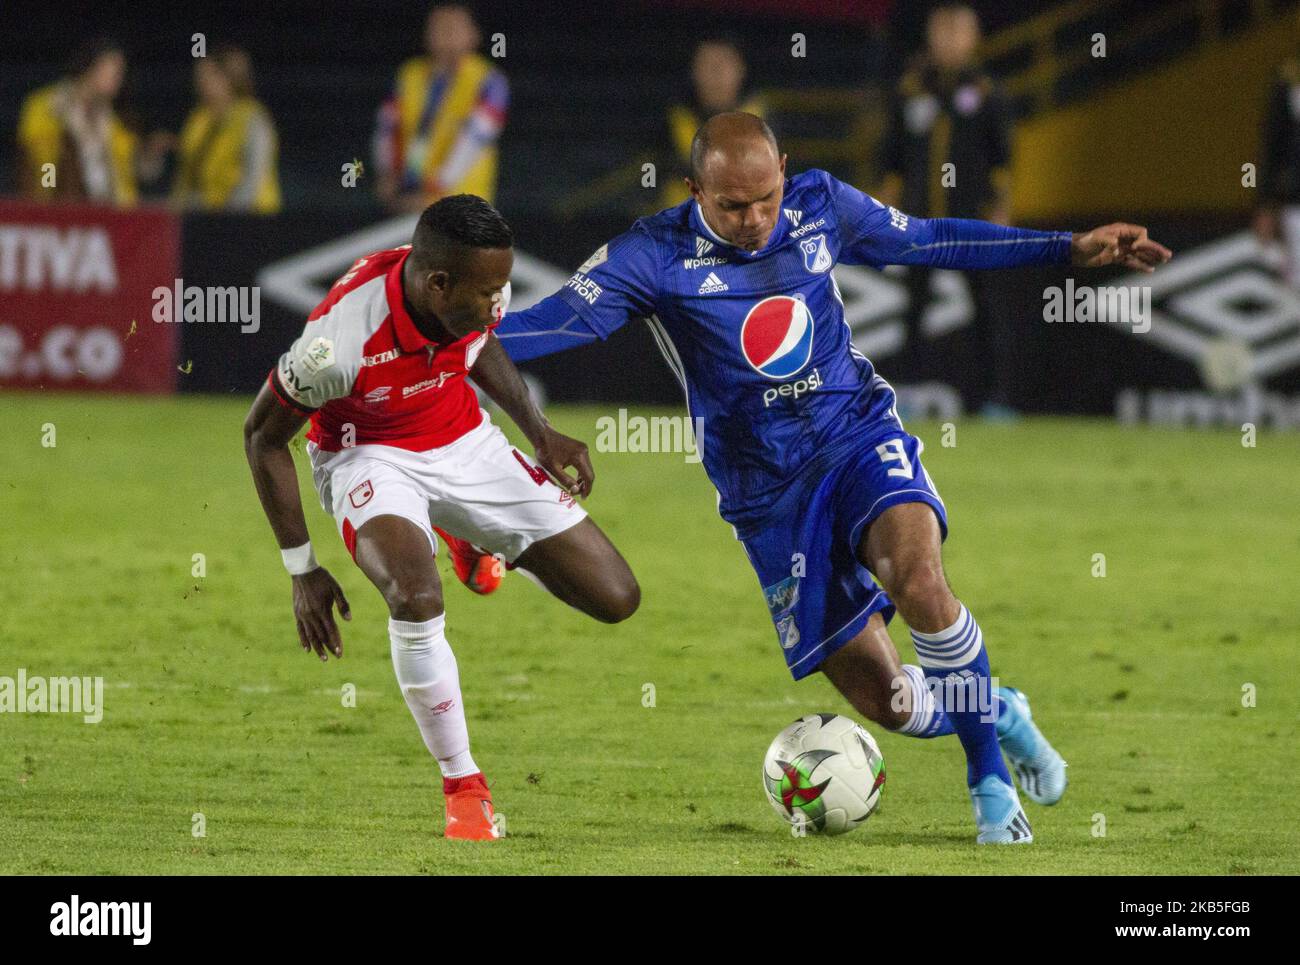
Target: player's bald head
point(737, 178)
point(735, 140)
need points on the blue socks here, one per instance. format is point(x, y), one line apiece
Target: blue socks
point(957, 657)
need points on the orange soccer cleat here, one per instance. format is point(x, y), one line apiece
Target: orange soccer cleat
point(469, 809)
point(477, 569)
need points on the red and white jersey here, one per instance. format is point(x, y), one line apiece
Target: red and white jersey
point(361, 363)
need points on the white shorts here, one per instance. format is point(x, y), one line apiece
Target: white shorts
point(479, 488)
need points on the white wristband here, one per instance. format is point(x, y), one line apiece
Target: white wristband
point(300, 559)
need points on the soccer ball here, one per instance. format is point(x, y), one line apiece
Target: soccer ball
point(824, 773)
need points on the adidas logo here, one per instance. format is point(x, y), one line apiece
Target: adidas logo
point(793, 216)
point(702, 246)
point(712, 284)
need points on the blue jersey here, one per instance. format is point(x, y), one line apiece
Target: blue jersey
point(758, 339)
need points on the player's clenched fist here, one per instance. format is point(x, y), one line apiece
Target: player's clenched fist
point(1118, 244)
point(314, 596)
point(555, 452)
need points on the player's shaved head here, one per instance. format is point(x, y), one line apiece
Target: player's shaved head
point(449, 229)
point(732, 138)
point(737, 178)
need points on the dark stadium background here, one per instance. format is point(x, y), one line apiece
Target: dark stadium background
point(589, 86)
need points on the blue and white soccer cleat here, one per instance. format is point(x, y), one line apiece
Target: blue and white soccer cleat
point(999, 817)
point(1037, 766)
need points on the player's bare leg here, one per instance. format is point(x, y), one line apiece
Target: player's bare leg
point(581, 567)
point(868, 672)
point(902, 548)
point(395, 555)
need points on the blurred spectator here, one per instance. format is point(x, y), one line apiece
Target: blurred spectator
point(437, 134)
point(227, 154)
point(1278, 216)
point(717, 84)
point(947, 111)
point(72, 124)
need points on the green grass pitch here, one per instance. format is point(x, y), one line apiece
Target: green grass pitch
point(211, 708)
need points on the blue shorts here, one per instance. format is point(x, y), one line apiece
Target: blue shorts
point(819, 595)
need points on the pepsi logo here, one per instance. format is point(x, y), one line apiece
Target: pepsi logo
point(777, 336)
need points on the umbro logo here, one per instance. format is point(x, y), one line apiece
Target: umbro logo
point(793, 216)
point(702, 246)
point(712, 284)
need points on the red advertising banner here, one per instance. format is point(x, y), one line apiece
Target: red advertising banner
point(76, 297)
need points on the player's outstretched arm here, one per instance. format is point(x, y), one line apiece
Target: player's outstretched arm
point(554, 451)
point(619, 282)
point(1118, 244)
point(967, 244)
point(549, 326)
point(875, 234)
point(267, 432)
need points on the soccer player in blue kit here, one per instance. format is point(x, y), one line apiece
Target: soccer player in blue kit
point(815, 472)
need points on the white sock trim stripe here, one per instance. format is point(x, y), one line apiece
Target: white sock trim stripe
point(952, 661)
point(940, 650)
point(959, 628)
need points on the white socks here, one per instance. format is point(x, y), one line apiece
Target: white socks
point(923, 707)
point(426, 671)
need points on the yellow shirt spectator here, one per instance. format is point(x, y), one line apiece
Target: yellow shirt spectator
point(229, 162)
point(438, 135)
point(92, 151)
point(228, 151)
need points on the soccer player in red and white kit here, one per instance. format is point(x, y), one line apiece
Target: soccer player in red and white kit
point(399, 445)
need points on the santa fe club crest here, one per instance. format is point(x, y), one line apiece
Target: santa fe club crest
point(360, 495)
